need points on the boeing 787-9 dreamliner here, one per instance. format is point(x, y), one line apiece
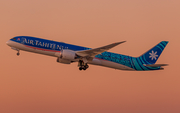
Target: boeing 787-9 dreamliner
point(68, 53)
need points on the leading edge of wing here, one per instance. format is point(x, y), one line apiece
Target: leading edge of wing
point(96, 51)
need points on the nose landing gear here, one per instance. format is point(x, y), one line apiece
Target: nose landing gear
point(16, 50)
point(82, 65)
point(18, 53)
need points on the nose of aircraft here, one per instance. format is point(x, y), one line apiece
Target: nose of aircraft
point(8, 42)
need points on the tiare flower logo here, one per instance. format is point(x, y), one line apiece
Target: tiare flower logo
point(153, 55)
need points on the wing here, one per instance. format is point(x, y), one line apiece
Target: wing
point(93, 52)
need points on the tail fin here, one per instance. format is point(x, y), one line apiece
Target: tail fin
point(151, 56)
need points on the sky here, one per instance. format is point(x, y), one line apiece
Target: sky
point(33, 83)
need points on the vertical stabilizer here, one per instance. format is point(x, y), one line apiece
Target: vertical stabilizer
point(151, 56)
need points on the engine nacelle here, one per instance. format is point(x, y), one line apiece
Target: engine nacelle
point(64, 61)
point(66, 55)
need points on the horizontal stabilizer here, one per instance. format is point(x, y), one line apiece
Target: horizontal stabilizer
point(155, 65)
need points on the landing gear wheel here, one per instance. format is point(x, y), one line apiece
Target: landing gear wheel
point(80, 68)
point(18, 54)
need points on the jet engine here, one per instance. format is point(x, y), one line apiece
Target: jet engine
point(67, 55)
point(64, 61)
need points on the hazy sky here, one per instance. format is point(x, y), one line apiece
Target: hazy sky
point(33, 83)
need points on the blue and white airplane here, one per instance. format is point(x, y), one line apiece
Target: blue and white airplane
point(67, 54)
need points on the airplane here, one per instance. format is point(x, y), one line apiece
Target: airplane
point(68, 53)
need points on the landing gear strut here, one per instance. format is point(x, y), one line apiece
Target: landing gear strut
point(57, 59)
point(82, 65)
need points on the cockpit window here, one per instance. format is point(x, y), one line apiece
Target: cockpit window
point(14, 38)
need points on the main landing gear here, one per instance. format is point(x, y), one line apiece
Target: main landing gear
point(82, 65)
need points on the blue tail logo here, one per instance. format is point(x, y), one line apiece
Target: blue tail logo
point(151, 56)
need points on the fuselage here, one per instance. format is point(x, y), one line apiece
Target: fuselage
point(51, 48)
